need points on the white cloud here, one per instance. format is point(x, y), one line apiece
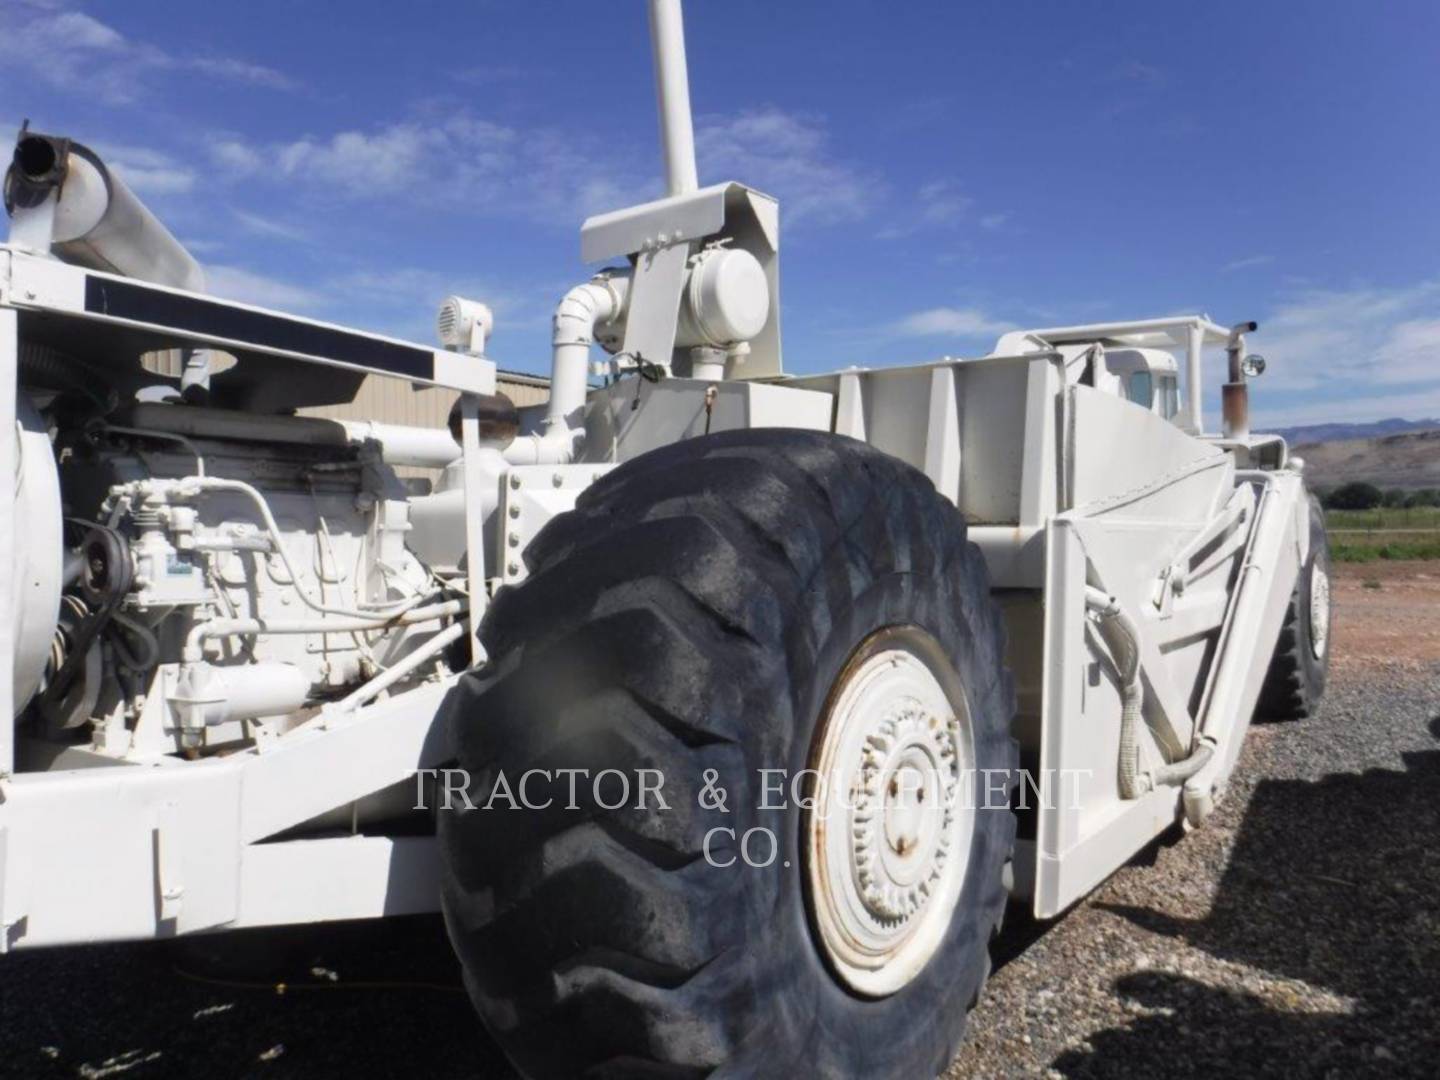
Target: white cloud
point(1363, 353)
point(235, 155)
point(235, 283)
point(156, 181)
point(1410, 353)
point(942, 203)
point(1247, 263)
point(460, 159)
point(1410, 406)
point(936, 205)
point(83, 32)
point(362, 163)
point(951, 322)
point(75, 52)
point(242, 71)
point(1355, 339)
point(787, 155)
point(400, 301)
point(411, 286)
point(559, 176)
point(403, 300)
point(264, 226)
point(147, 172)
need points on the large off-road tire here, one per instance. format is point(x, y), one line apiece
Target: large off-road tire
point(751, 600)
point(1295, 682)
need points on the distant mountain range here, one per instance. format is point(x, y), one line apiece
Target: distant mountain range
point(1321, 433)
point(1407, 459)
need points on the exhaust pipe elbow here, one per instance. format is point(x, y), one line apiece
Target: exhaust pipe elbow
point(583, 308)
point(98, 221)
point(37, 167)
point(601, 300)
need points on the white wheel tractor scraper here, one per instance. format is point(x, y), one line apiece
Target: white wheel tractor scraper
point(720, 710)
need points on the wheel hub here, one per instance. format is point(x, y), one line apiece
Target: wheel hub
point(888, 836)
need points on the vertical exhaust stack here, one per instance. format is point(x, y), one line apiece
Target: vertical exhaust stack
point(672, 92)
point(605, 299)
point(1235, 394)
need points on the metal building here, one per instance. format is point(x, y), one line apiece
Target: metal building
point(395, 401)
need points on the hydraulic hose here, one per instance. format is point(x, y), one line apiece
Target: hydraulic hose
point(215, 628)
point(1123, 637)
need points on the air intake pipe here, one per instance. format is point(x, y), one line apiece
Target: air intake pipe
point(601, 300)
point(724, 303)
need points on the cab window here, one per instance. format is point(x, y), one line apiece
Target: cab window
point(1169, 396)
point(1139, 388)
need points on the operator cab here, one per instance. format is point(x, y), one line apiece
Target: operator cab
point(1148, 377)
point(1137, 361)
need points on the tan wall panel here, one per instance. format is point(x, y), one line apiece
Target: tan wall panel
point(396, 401)
point(386, 400)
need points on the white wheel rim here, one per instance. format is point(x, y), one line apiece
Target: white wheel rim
point(1319, 610)
point(888, 835)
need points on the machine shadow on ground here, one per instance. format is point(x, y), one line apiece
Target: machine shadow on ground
point(216, 1007)
point(1333, 883)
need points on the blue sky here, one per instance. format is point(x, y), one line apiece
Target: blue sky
point(946, 170)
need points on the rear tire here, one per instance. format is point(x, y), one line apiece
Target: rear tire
point(1295, 682)
point(701, 609)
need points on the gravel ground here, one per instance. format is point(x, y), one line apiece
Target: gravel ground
point(1298, 934)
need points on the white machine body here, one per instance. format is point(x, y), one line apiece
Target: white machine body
point(229, 627)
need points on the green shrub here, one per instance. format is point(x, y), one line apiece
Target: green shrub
point(1355, 496)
